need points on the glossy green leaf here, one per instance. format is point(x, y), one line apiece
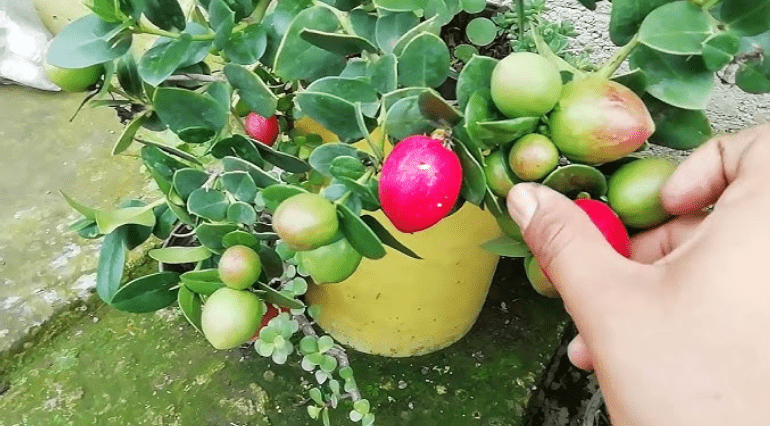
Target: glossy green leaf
point(179, 255)
point(275, 194)
point(241, 238)
point(240, 185)
point(627, 16)
point(400, 5)
point(428, 26)
point(444, 10)
point(322, 157)
point(753, 76)
point(182, 109)
point(678, 28)
point(109, 267)
point(188, 180)
point(88, 41)
point(636, 80)
point(720, 49)
point(272, 265)
point(105, 9)
point(211, 234)
point(575, 178)
point(465, 52)
point(297, 59)
point(109, 220)
point(363, 193)
point(261, 178)
point(147, 294)
point(222, 20)
point(238, 146)
point(383, 73)
point(386, 237)
point(162, 60)
point(681, 81)
point(208, 203)
point(128, 133)
point(746, 17)
point(165, 220)
point(205, 281)
point(348, 167)
point(191, 306)
point(405, 119)
point(364, 24)
point(278, 298)
point(481, 31)
point(391, 27)
point(128, 75)
point(247, 46)
point(481, 109)
point(507, 247)
point(588, 4)
point(359, 234)
point(677, 128)
point(434, 108)
point(351, 90)
point(135, 234)
point(220, 92)
point(165, 14)
point(87, 212)
point(240, 212)
point(474, 184)
point(389, 99)
point(252, 90)
point(332, 112)
point(476, 74)
point(424, 62)
point(339, 43)
point(512, 128)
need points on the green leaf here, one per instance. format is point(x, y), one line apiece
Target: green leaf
point(753, 76)
point(240, 212)
point(247, 46)
point(677, 128)
point(428, 26)
point(678, 28)
point(362, 406)
point(187, 180)
point(339, 43)
point(405, 119)
point(368, 419)
point(364, 24)
point(165, 220)
point(180, 255)
point(588, 4)
point(476, 74)
point(197, 50)
point(127, 136)
point(282, 160)
point(481, 109)
point(510, 129)
point(161, 166)
point(636, 80)
point(222, 20)
point(465, 52)
point(88, 41)
point(474, 185)
point(481, 31)
point(746, 17)
point(240, 185)
point(434, 108)
point(444, 10)
point(424, 62)
point(363, 192)
point(576, 178)
point(347, 167)
point(260, 177)
point(105, 9)
point(351, 90)
point(276, 194)
point(272, 265)
point(241, 238)
point(329, 364)
point(165, 14)
point(205, 281)
point(359, 234)
point(681, 81)
point(128, 75)
point(252, 90)
point(322, 157)
point(109, 220)
point(148, 293)
point(191, 306)
point(332, 112)
point(391, 27)
point(220, 92)
point(109, 268)
point(211, 234)
point(297, 59)
point(386, 237)
point(183, 109)
point(383, 73)
point(508, 247)
point(209, 204)
point(627, 16)
point(238, 146)
point(278, 298)
point(87, 212)
point(720, 49)
point(400, 5)
point(162, 60)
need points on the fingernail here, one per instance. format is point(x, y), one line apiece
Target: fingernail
point(522, 204)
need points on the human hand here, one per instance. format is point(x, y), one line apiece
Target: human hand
point(678, 334)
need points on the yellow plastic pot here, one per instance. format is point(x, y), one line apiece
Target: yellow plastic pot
point(398, 306)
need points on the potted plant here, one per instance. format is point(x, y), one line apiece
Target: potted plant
point(292, 142)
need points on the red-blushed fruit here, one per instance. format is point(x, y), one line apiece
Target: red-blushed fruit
point(239, 267)
point(597, 121)
point(261, 128)
point(420, 183)
point(608, 223)
point(230, 317)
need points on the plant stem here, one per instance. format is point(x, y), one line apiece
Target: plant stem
point(709, 4)
point(520, 13)
point(259, 11)
point(612, 65)
point(198, 37)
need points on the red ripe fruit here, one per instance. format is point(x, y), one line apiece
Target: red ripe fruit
point(262, 129)
point(419, 183)
point(608, 223)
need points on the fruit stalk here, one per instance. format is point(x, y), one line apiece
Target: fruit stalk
point(612, 65)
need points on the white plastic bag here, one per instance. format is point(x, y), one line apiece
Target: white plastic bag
point(23, 44)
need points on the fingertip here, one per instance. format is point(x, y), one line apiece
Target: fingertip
point(578, 354)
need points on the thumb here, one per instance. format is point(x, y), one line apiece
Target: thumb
point(584, 268)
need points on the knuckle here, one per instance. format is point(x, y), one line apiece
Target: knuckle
point(549, 234)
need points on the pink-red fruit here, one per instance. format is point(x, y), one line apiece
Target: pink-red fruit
point(598, 121)
point(608, 223)
point(420, 183)
point(261, 128)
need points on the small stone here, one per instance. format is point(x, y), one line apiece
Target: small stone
point(402, 384)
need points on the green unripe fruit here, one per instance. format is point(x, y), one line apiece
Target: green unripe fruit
point(306, 221)
point(537, 278)
point(634, 191)
point(74, 79)
point(239, 267)
point(230, 317)
point(331, 263)
point(499, 177)
point(525, 84)
point(533, 157)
